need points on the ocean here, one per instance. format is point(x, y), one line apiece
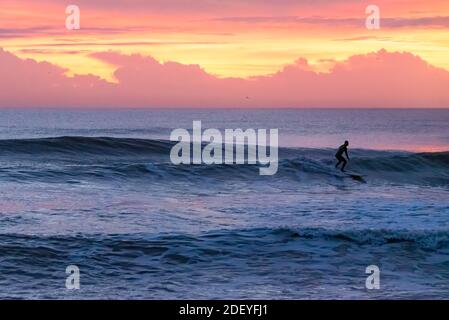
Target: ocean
point(96, 189)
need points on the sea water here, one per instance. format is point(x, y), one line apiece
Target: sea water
point(97, 189)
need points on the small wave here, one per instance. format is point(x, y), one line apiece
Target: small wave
point(82, 146)
point(425, 239)
point(219, 242)
point(142, 266)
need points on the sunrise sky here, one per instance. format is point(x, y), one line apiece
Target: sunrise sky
point(249, 39)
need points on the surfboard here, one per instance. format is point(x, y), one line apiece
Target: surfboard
point(354, 175)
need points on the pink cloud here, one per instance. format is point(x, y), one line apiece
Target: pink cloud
point(378, 79)
point(27, 83)
point(433, 21)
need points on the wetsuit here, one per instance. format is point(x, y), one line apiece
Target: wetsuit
point(340, 158)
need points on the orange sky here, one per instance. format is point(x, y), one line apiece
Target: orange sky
point(224, 53)
point(229, 38)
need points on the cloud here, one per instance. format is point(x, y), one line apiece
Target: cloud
point(27, 83)
point(378, 79)
point(189, 6)
point(51, 51)
point(25, 32)
point(363, 38)
point(437, 21)
point(44, 31)
point(127, 43)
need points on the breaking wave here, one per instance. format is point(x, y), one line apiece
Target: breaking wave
point(126, 158)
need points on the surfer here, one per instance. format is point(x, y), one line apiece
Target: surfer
point(339, 155)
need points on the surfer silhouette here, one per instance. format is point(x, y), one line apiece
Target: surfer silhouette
point(339, 155)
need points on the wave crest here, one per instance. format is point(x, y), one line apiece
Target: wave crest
point(105, 157)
